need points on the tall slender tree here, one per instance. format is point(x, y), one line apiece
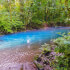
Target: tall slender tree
point(10, 9)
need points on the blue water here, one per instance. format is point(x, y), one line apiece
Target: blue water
point(31, 37)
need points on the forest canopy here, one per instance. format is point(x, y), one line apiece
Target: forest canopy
point(19, 15)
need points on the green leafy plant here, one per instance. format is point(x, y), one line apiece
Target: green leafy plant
point(63, 48)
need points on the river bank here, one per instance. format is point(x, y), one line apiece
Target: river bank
point(55, 55)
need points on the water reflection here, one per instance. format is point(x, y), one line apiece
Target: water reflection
point(28, 43)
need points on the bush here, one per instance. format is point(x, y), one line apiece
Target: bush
point(63, 47)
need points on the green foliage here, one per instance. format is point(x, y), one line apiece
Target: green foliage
point(27, 14)
point(7, 26)
point(63, 47)
point(46, 47)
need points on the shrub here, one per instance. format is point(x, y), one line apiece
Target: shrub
point(63, 47)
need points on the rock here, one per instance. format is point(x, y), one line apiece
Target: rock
point(38, 65)
point(47, 68)
point(12, 66)
point(18, 66)
point(28, 66)
point(21, 67)
point(53, 53)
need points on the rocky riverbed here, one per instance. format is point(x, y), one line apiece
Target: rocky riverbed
point(23, 58)
point(18, 58)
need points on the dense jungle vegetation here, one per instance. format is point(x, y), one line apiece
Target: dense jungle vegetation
point(56, 54)
point(19, 15)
